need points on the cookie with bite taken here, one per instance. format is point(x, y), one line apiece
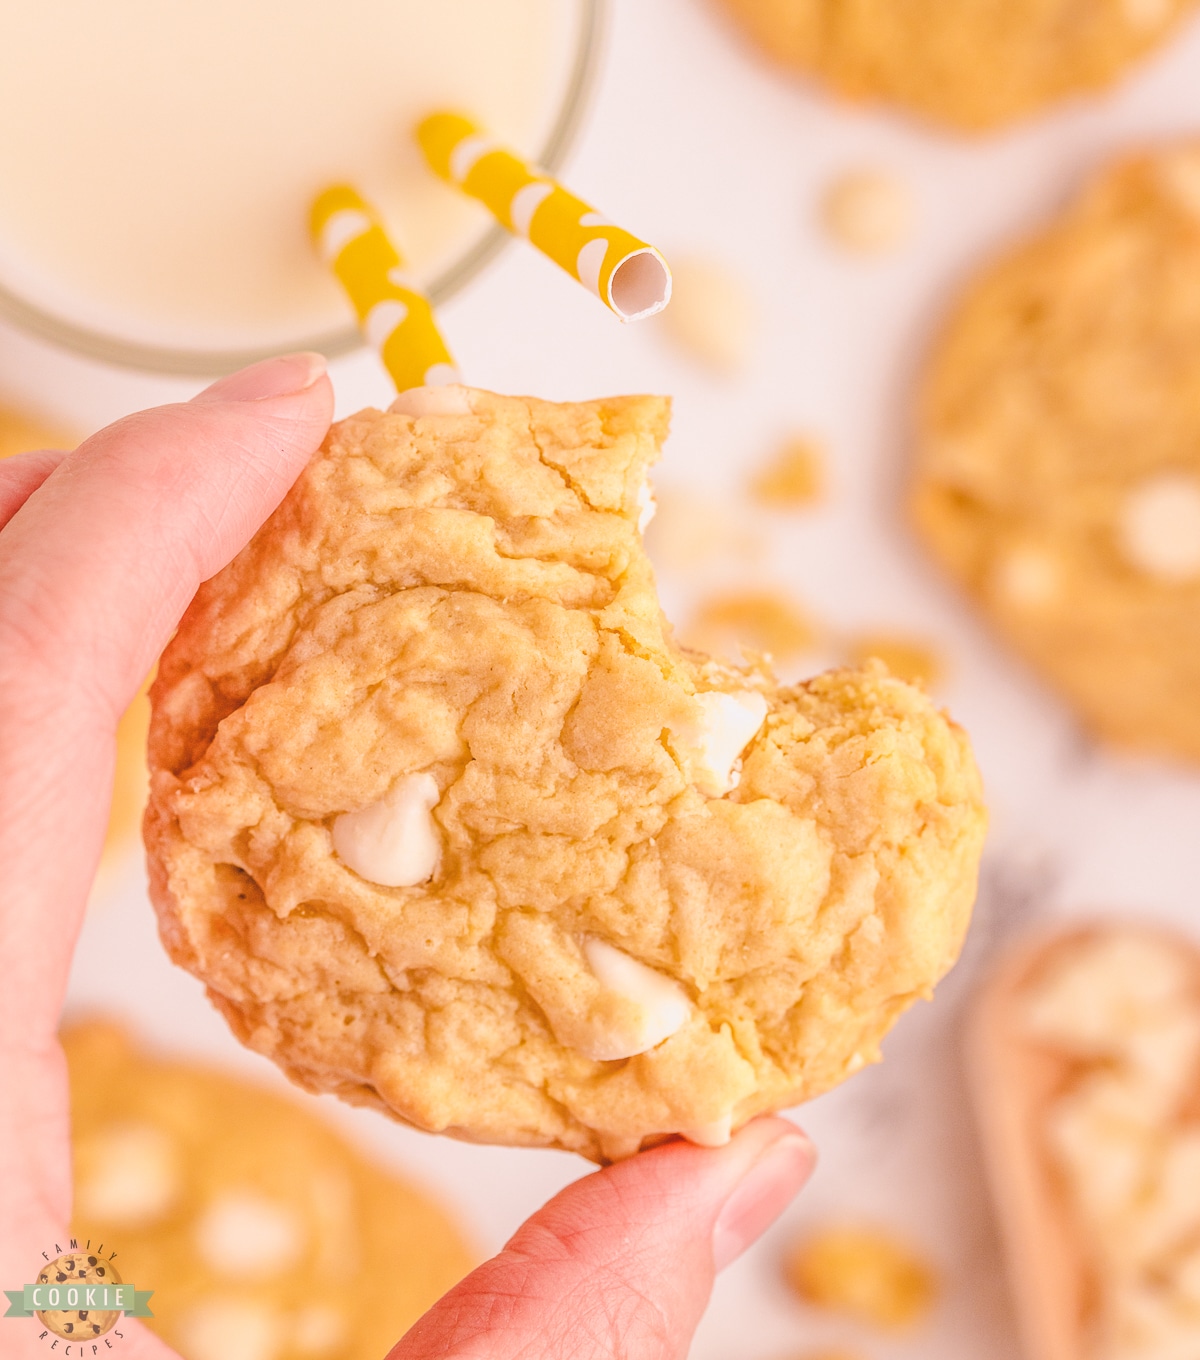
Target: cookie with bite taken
point(449, 825)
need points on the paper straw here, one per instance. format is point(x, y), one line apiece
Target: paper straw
point(626, 274)
point(394, 314)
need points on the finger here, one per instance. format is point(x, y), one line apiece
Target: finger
point(20, 477)
point(96, 568)
point(622, 1262)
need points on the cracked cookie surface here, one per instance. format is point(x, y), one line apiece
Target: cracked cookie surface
point(451, 625)
point(974, 64)
point(1058, 471)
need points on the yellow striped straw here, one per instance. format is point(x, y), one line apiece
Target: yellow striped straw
point(626, 274)
point(394, 314)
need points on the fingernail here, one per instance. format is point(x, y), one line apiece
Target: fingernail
point(269, 378)
point(762, 1195)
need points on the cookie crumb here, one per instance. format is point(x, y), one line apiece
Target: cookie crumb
point(868, 211)
point(907, 658)
point(712, 316)
point(765, 621)
point(1158, 527)
point(865, 1272)
point(794, 477)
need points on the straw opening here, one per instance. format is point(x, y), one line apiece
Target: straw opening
point(640, 285)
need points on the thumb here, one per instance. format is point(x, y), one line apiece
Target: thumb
point(621, 1263)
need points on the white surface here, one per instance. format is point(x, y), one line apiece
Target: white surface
point(696, 147)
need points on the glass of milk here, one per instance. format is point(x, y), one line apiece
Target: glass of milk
point(162, 155)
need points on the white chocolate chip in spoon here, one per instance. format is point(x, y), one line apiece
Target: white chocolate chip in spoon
point(393, 842)
point(245, 1235)
point(660, 1006)
point(1159, 527)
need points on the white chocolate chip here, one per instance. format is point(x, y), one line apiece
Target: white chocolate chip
point(393, 842)
point(725, 725)
point(230, 1329)
point(1101, 1144)
point(247, 1236)
point(1159, 527)
point(132, 1176)
point(1147, 14)
point(715, 1133)
point(712, 315)
point(647, 506)
point(318, 1328)
point(661, 1006)
point(1025, 577)
point(868, 211)
point(1179, 176)
point(1106, 990)
point(451, 400)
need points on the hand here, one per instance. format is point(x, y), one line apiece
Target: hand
point(101, 551)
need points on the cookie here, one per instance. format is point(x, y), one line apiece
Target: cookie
point(20, 432)
point(972, 65)
point(1085, 1063)
point(261, 1232)
point(867, 1273)
point(449, 826)
point(1058, 471)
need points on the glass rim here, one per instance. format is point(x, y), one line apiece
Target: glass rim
point(182, 361)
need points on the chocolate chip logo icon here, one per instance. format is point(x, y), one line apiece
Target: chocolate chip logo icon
point(71, 1286)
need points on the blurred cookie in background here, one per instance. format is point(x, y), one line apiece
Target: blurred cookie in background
point(22, 431)
point(867, 1273)
point(1057, 475)
point(973, 65)
point(263, 1234)
point(1085, 1064)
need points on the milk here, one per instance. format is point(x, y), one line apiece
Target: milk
point(159, 157)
